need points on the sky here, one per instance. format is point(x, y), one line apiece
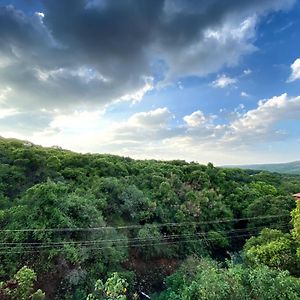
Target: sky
point(207, 81)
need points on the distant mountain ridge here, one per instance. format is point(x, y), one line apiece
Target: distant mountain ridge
point(288, 168)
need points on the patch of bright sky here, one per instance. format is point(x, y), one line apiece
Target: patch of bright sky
point(278, 49)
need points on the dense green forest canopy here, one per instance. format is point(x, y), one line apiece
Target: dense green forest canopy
point(126, 225)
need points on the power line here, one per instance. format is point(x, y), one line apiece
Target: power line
point(141, 226)
point(133, 239)
point(137, 241)
point(127, 246)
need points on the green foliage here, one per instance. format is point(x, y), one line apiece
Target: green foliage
point(217, 240)
point(38, 295)
point(204, 279)
point(123, 214)
point(296, 224)
point(114, 288)
point(21, 286)
point(25, 278)
point(150, 235)
point(274, 249)
point(270, 205)
point(136, 205)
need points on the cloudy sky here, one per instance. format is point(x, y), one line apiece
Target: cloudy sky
point(197, 80)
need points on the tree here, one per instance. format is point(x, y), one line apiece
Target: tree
point(204, 279)
point(38, 295)
point(150, 235)
point(114, 288)
point(21, 286)
point(269, 205)
point(93, 213)
point(296, 224)
point(274, 249)
point(135, 204)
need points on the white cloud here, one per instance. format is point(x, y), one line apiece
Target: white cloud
point(247, 72)
point(195, 119)
point(4, 93)
point(197, 136)
point(83, 73)
point(220, 46)
point(40, 15)
point(138, 95)
point(79, 121)
point(5, 61)
point(153, 118)
point(180, 85)
point(204, 135)
point(244, 94)
point(295, 67)
point(7, 112)
point(223, 81)
point(259, 124)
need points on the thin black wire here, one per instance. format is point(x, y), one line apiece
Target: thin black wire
point(137, 244)
point(129, 246)
point(141, 226)
point(84, 242)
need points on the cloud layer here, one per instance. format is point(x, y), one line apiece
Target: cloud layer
point(62, 65)
point(91, 53)
point(153, 133)
point(295, 68)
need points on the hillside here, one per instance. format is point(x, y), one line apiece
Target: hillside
point(76, 218)
point(287, 168)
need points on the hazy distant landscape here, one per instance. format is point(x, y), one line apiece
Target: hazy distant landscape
point(287, 168)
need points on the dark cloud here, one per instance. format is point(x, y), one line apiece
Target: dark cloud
point(93, 52)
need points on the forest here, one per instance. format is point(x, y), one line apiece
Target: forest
point(99, 226)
